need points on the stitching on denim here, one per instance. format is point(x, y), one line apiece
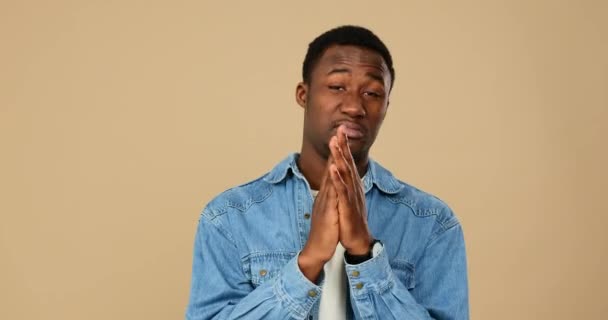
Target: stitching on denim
point(384, 286)
point(289, 302)
point(284, 297)
point(220, 206)
point(446, 221)
point(215, 223)
point(375, 263)
point(280, 259)
point(439, 233)
point(356, 305)
point(262, 254)
point(450, 222)
point(250, 201)
point(299, 208)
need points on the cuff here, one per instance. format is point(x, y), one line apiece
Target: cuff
point(295, 291)
point(374, 274)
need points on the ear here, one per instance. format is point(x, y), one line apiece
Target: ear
point(302, 94)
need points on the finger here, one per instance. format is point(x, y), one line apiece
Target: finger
point(333, 193)
point(351, 160)
point(347, 155)
point(342, 194)
point(341, 161)
point(325, 185)
point(338, 183)
point(325, 178)
point(353, 172)
point(331, 201)
point(337, 154)
point(339, 192)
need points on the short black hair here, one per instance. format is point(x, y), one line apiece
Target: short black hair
point(345, 35)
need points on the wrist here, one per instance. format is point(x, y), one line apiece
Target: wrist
point(310, 266)
point(312, 256)
point(360, 258)
point(361, 248)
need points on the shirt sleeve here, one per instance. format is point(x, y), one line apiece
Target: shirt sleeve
point(220, 288)
point(441, 290)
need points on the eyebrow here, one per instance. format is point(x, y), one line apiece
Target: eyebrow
point(372, 75)
point(339, 70)
point(375, 76)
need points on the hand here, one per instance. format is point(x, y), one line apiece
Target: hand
point(324, 230)
point(354, 232)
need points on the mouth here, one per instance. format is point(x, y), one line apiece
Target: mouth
point(352, 130)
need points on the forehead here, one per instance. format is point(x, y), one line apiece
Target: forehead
point(352, 55)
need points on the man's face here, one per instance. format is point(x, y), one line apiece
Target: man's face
point(349, 86)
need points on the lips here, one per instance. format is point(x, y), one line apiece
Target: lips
point(352, 130)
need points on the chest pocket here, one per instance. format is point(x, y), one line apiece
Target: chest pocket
point(263, 267)
point(404, 271)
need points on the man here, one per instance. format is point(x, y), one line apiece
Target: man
point(311, 239)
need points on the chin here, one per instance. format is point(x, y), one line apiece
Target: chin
point(357, 145)
point(358, 150)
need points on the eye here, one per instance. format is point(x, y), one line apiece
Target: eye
point(336, 87)
point(372, 94)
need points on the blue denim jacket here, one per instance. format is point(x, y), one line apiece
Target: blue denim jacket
point(248, 238)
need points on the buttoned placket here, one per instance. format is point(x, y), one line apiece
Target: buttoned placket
point(303, 206)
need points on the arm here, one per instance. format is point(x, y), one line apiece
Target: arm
point(221, 290)
point(441, 290)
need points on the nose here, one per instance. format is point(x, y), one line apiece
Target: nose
point(353, 105)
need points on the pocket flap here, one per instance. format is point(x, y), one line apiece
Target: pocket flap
point(262, 267)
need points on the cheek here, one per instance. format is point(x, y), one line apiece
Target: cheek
point(376, 119)
point(317, 120)
point(322, 108)
point(327, 102)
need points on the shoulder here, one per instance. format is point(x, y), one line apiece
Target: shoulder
point(422, 204)
point(242, 197)
point(239, 198)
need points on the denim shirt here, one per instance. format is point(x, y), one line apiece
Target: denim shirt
point(249, 237)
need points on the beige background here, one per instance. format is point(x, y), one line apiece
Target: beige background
point(121, 119)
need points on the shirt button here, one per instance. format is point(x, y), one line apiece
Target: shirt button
point(263, 272)
point(355, 273)
point(359, 285)
point(312, 293)
point(307, 215)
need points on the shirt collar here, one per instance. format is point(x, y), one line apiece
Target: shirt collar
point(375, 175)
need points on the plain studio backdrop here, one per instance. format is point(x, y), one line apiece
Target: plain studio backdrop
point(121, 119)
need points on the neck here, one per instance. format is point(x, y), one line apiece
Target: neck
point(313, 165)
